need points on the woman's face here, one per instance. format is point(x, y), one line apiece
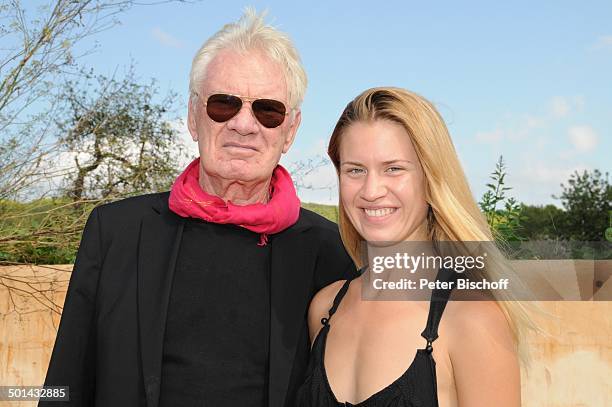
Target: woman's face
point(382, 185)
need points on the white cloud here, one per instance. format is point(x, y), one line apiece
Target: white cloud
point(583, 138)
point(604, 41)
point(316, 179)
point(541, 173)
point(166, 39)
point(534, 122)
point(489, 136)
point(540, 143)
point(550, 159)
point(314, 175)
point(559, 107)
point(562, 106)
point(190, 146)
point(566, 154)
point(324, 186)
point(320, 147)
point(537, 180)
point(517, 128)
point(579, 102)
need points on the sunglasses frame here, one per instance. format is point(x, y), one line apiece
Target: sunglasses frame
point(243, 99)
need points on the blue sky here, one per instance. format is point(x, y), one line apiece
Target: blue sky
point(529, 80)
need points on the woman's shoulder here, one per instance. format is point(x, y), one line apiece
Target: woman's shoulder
point(475, 315)
point(479, 335)
point(476, 312)
point(324, 299)
point(321, 304)
point(483, 352)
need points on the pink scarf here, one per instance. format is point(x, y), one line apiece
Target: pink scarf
point(187, 199)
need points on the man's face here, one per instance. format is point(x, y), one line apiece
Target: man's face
point(241, 149)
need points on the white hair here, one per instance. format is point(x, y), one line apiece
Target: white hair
point(251, 33)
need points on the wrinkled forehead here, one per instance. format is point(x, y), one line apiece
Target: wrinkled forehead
point(250, 73)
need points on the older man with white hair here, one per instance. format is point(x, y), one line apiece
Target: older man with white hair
point(199, 297)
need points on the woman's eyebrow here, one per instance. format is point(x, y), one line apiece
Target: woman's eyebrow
point(350, 163)
point(395, 161)
point(388, 162)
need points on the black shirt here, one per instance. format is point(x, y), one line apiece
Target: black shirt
point(216, 343)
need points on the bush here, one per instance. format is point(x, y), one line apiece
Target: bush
point(44, 231)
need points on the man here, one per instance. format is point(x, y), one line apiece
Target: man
point(199, 297)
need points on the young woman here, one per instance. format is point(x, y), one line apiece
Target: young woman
point(400, 180)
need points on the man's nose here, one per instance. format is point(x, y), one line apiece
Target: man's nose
point(373, 187)
point(245, 121)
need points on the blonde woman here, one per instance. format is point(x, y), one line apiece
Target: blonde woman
point(400, 180)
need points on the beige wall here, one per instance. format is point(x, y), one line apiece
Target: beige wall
point(28, 322)
point(571, 366)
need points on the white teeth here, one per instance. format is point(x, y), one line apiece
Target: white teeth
point(379, 212)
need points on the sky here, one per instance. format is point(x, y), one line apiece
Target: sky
point(527, 80)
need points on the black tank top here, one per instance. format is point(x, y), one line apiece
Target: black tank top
point(416, 387)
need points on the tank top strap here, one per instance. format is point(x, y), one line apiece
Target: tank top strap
point(439, 298)
point(339, 296)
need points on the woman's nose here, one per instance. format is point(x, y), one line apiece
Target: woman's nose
point(373, 188)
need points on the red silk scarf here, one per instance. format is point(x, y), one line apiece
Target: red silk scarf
point(188, 200)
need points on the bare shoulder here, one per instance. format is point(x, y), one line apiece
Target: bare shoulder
point(474, 317)
point(483, 354)
point(320, 305)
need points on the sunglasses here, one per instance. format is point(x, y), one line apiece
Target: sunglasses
point(221, 107)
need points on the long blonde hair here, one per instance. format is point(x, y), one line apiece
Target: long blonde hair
point(454, 214)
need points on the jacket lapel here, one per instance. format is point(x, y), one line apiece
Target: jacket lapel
point(290, 286)
point(160, 237)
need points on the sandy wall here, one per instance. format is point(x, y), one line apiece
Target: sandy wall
point(571, 364)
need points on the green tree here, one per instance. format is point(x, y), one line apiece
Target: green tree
point(36, 58)
point(542, 222)
point(37, 54)
point(587, 200)
point(503, 213)
point(120, 138)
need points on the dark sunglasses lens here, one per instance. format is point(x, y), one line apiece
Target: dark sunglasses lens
point(222, 107)
point(269, 112)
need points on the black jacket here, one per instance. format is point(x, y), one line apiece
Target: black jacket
point(109, 344)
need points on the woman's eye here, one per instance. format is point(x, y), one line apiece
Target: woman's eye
point(394, 169)
point(354, 171)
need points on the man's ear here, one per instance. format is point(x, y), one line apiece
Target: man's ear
point(293, 127)
point(191, 120)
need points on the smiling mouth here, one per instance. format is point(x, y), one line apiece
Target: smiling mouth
point(379, 212)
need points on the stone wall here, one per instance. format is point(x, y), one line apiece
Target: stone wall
point(571, 361)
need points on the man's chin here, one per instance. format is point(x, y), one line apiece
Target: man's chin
point(246, 172)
